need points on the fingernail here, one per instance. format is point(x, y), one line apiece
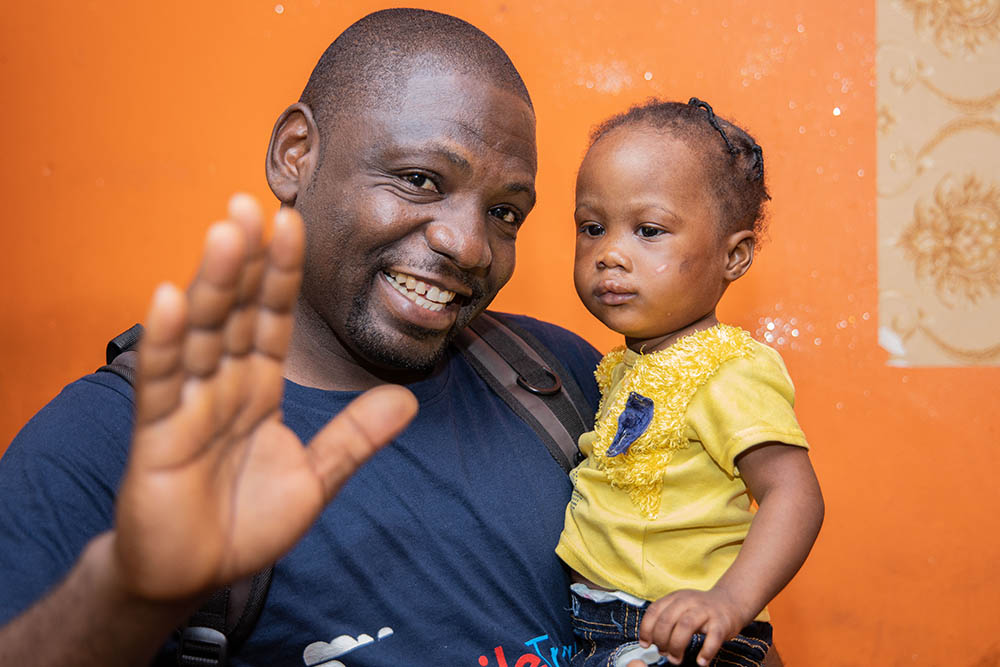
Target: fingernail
point(702, 661)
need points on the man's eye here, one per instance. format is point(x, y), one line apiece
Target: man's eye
point(648, 231)
point(420, 181)
point(591, 229)
point(507, 214)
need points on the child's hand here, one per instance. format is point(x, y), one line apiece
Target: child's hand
point(670, 621)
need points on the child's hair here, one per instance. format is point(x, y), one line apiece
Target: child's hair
point(733, 160)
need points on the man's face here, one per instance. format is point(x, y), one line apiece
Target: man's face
point(411, 217)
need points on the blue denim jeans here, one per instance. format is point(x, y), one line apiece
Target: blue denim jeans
point(608, 632)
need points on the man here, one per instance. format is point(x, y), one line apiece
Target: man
point(411, 160)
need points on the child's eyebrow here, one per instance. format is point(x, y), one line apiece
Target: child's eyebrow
point(670, 213)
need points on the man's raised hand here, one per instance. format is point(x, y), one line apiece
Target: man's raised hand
point(216, 486)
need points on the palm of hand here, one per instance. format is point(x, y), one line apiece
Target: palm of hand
point(216, 486)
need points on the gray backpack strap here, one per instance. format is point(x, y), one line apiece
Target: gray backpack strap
point(224, 622)
point(519, 369)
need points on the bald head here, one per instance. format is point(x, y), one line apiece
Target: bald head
point(369, 63)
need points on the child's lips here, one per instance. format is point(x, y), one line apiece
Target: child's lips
point(613, 294)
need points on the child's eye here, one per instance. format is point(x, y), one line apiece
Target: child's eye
point(649, 231)
point(421, 181)
point(591, 229)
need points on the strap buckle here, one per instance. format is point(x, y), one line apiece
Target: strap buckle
point(199, 646)
point(553, 388)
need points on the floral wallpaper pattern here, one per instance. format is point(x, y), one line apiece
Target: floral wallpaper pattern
point(938, 125)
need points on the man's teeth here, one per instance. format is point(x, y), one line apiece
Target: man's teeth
point(426, 296)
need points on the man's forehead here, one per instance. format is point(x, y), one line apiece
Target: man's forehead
point(472, 100)
point(458, 128)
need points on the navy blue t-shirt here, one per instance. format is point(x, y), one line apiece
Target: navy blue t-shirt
point(438, 551)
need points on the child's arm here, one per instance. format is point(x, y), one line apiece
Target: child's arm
point(788, 518)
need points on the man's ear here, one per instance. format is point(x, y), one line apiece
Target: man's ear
point(292, 153)
point(740, 246)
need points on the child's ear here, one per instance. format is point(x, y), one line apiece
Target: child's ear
point(740, 246)
point(293, 152)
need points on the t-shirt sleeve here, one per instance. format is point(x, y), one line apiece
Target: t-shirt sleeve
point(749, 401)
point(58, 481)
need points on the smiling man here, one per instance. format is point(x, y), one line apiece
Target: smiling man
point(406, 169)
point(424, 199)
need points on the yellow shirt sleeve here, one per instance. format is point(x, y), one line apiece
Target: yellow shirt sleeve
point(749, 401)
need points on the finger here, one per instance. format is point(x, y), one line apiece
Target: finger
point(232, 389)
point(160, 379)
point(654, 612)
point(684, 625)
point(163, 392)
point(361, 429)
point(239, 329)
point(244, 210)
point(714, 637)
point(272, 322)
point(280, 287)
point(211, 297)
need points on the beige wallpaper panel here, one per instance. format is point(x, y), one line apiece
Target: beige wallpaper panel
point(938, 110)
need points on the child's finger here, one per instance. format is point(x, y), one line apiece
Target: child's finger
point(714, 636)
point(651, 618)
point(683, 624)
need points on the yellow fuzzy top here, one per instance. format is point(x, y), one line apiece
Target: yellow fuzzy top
point(670, 377)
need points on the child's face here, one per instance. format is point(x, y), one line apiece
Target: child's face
point(650, 260)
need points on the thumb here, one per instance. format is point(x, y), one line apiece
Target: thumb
point(367, 424)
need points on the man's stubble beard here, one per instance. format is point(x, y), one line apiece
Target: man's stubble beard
point(389, 348)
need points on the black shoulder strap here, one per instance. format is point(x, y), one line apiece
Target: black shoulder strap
point(528, 377)
point(224, 622)
point(226, 619)
point(121, 354)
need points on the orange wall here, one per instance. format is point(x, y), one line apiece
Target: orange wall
point(128, 125)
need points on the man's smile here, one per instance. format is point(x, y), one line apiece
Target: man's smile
point(422, 293)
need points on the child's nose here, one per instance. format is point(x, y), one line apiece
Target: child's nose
point(613, 258)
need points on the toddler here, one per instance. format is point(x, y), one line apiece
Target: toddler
point(670, 561)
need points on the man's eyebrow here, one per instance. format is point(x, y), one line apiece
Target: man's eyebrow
point(454, 158)
point(514, 188)
point(464, 164)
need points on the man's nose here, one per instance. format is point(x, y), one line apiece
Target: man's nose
point(460, 233)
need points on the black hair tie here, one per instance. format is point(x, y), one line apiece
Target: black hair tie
point(757, 168)
point(695, 102)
